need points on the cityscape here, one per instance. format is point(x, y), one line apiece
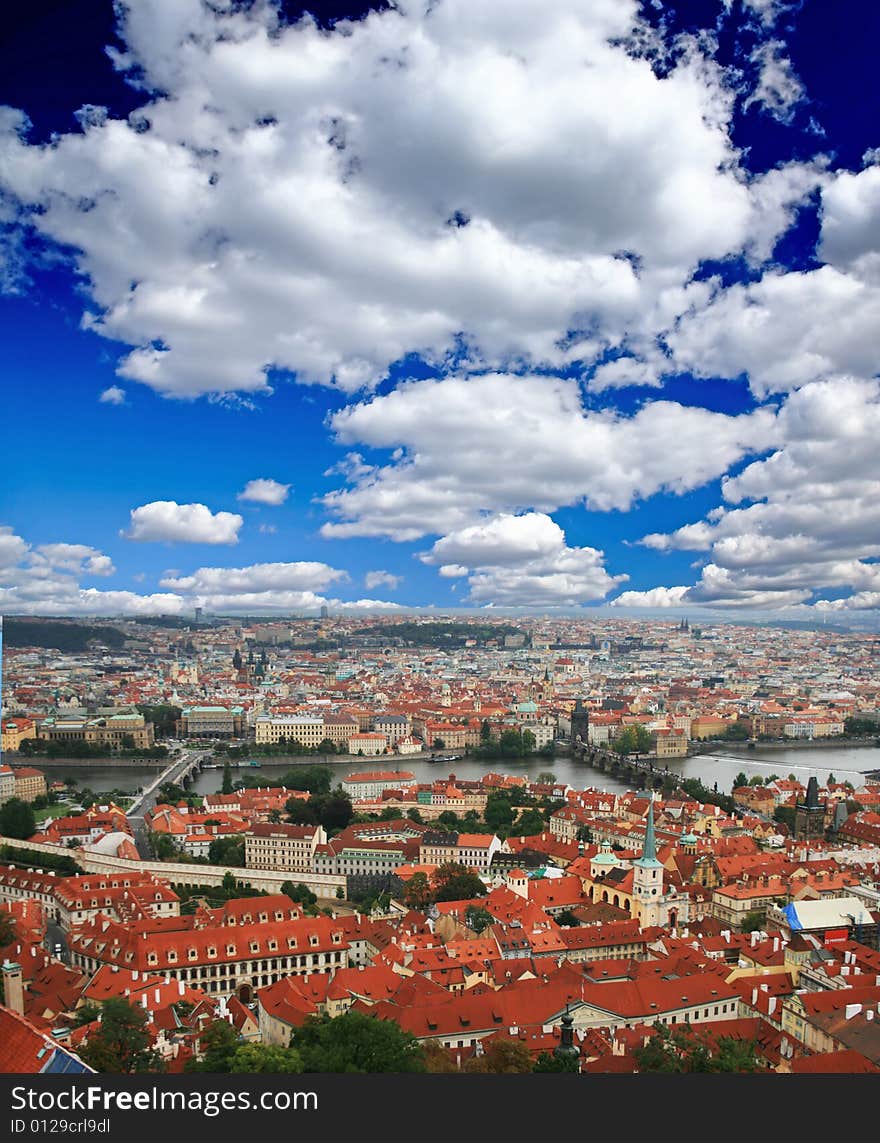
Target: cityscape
point(439, 845)
point(439, 549)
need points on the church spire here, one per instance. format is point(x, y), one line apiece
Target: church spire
point(649, 849)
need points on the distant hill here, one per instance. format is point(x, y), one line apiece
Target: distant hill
point(59, 635)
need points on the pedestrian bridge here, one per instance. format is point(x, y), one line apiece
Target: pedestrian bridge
point(640, 771)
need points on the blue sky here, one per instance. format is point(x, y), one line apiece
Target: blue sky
point(558, 308)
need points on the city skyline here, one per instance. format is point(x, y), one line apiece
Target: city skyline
point(441, 309)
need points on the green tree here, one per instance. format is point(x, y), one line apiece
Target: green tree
point(453, 882)
point(499, 812)
point(785, 815)
point(300, 812)
point(226, 851)
point(832, 781)
point(547, 778)
point(736, 732)
point(753, 921)
point(438, 1058)
point(448, 818)
point(634, 739)
point(530, 822)
point(85, 1014)
point(756, 780)
point(547, 1062)
point(356, 1042)
point(315, 779)
point(477, 918)
point(226, 788)
point(163, 846)
point(298, 893)
point(681, 1051)
point(567, 919)
point(334, 810)
point(266, 1058)
point(529, 742)
point(741, 779)
point(485, 732)
point(414, 815)
point(122, 1043)
point(17, 819)
point(218, 1044)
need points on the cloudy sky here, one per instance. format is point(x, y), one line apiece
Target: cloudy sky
point(550, 304)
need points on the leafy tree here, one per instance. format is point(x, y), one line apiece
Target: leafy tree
point(448, 818)
point(680, 1051)
point(300, 812)
point(453, 882)
point(334, 810)
point(567, 919)
point(226, 788)
point(499, 812)
point(547, 778)
point(529, 742)
point(122, 1043)
point(417, 894)
point(266, 1058)
point(298, 893)
point(754, 921)
point(832, 781)
point(17, 819)
point(356, 1042)
point(163, 846)
point(547, 1062)
point(634, 739)
point(502, 1057)
point(736, 732)
point(85, 1014)
point(218, 1043)
point(785, 815)
point(438, 1058)
point(756, 780)
point(530, 822)
point(414, 815)
point(485, 731)
point(477, 918)
point(226, 851)
point(7, 929)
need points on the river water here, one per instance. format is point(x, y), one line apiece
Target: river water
point(847, 763)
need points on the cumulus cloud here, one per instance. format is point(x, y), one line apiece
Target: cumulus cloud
point(522, 561)
point(498, 443)
point(325, 202)
point(850, 238)
point(264, 491)
point(113, 396)
point(77, 558)
point(298, 576)
point(382, 579)
point(805, 518)
point(166, 521)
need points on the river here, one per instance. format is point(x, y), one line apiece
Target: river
point(846, 763)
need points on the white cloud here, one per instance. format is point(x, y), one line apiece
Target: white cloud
point(656, 597)
point(275, 577)
point(382, 579)
point(804, 519)
point(498, 443)
point(778, 90)
point(325, 202)
point(77, 558)
point(850, 238)
point(268, 529)
point(113, 396)
point(522, 561)
point(166, 521)
point(264, 491)
point(784, 331)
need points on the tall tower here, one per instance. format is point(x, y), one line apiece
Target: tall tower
point(809, 815)
point(648, 877)
point(580, 722)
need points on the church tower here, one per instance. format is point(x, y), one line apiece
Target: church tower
point(648, 877)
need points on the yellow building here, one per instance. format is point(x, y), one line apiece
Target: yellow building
point(15, 731)
point(29, 783)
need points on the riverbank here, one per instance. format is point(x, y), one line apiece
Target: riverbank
point(41, 762)
point(697, 748)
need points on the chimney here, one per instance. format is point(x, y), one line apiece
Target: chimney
point(869, 1013)
point(13, 987)
point(852, 1010)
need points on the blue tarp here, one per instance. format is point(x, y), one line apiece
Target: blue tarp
point(792, 918)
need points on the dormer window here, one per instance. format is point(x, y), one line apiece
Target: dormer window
point(212, 952)
point(230, 950)
point(192, 953)
point(313, 940)
point(172, 957)
point(152, 958)
point(255, 948)
point(273, 946)
point(291, 942)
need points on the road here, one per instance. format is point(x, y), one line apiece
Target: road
point(147, 800)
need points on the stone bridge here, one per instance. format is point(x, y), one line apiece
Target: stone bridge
point(641, 772)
